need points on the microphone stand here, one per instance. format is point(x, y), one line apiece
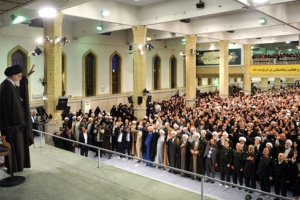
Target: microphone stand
point(12, 180)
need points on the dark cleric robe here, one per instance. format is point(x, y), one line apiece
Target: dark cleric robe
point(15, 111)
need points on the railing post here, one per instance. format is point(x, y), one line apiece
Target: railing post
point(98, 158)
point(41, 135)
point(202, 188)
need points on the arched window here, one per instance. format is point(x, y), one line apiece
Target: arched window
point(156, 72)
point(20, 58)
point(173, 72)
point(115, 74)
point(89, 75)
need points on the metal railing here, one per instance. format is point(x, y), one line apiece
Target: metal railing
point(202, 177)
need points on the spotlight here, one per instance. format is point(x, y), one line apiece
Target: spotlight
point(47, 12)
point(185, 20)
point(201, 4)
point(145, 91)
point(104, 13)
point(36, 52)
point(13, 17)
point(149, 46)
point(130, 47)
point(100, 28)
point(262, 21)
point(182, 54)
point(248, 196)
point(64, 41)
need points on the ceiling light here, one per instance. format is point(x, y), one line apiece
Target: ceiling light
point(104, 13)
point(288, 42)
point(19, 19)
point(100, 27)
point(48, 12)
point(262, 21)
point(260, 1)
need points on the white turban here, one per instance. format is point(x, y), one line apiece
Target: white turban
point(242, 138)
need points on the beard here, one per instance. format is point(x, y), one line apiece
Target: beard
point(17, 83)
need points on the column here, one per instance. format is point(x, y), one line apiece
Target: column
point(139, 71)
point(264, 84)
point(52, 74)
point(247, 63)
point(290, 80)
point(277, 82)
point(190, 59)
point(223, 68)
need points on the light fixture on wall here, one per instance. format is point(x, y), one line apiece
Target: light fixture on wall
point(56, 40)
point(142, 48)
point(194, 51)
point(43, 82)
point(145, 92)
point(182, 54)
point(36, 52)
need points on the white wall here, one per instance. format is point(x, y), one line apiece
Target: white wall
point(102, 46)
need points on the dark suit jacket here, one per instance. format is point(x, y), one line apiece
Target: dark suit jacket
point(81, 138)
point(213, 155)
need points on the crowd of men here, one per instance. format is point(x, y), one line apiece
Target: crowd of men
point(246, 138)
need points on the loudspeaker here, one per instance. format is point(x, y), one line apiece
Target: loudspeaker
point(42, 112)
point(62, 103)
point(268, 82)
point(149, 98)
point(140, 100)
point(130, 99)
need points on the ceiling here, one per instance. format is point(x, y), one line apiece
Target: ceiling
point(234, 20)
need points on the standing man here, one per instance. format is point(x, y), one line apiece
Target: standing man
point(249, 167)
point(84, 137)
point(226, 157)
point(264, 170)
point(237, 167)
point(280, 173)
point(15, 113)
point(197, 150)
point(210, 154)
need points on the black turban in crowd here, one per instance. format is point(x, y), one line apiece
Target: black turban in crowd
point(15, 69)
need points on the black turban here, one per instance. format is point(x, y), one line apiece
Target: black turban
point(15, 69)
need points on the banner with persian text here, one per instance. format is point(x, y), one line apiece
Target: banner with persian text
point(275, 69)
point(213, 57)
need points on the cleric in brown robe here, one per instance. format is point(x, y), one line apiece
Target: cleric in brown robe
point(15, 116)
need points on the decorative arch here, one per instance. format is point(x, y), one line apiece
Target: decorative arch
point(115, 73)
point(89, 74)
point(156, 72)
point(173, 72)
point(64, 72)
point(25, 62)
